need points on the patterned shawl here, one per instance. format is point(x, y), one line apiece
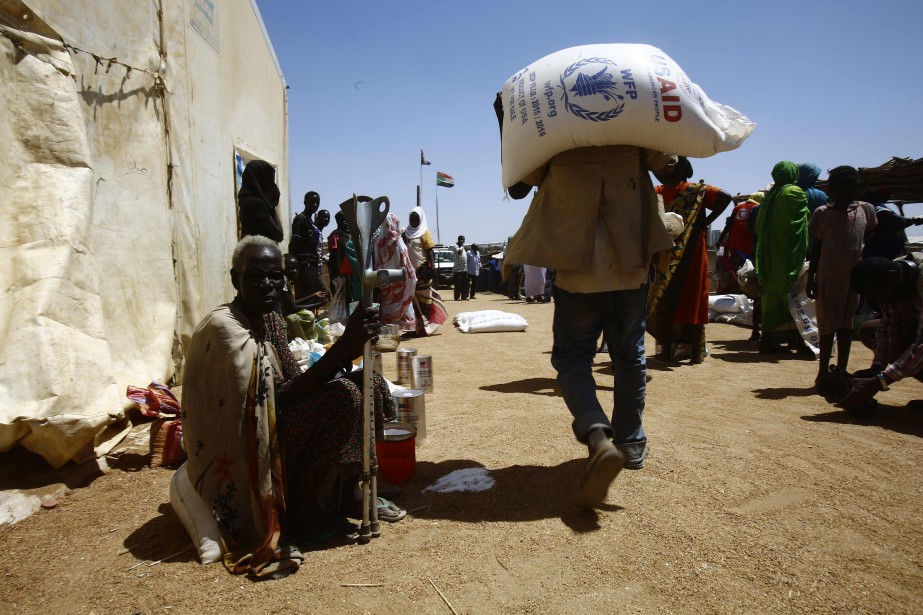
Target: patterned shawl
point(688, 204)
point(229, 433)
point(397, 298)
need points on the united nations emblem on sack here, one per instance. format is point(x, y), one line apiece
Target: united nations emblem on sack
point(591, 90)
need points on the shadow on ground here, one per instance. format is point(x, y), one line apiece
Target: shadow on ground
point(22, 469)
point(535, 386)
point(160, 538)
point(521, 493)
point(745, 351)
point(901, 419)
point(783, 392)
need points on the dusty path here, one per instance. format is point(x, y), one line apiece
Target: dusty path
point(757, 497)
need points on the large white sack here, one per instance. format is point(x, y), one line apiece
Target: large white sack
point(804, 312)
point(195, 516)
point(729, 304)
point(489, 321)
point(618, 94)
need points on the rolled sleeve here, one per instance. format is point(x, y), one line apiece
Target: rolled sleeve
point(910, 363)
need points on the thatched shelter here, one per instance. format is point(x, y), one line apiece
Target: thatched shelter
point(903, 177)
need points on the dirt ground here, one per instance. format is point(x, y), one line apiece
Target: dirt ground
point(757, 497)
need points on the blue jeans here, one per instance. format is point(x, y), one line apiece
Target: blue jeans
point(579, 318)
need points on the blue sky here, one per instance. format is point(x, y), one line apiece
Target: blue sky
point(374, 82)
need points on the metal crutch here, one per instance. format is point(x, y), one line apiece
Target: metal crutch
point(364, 215)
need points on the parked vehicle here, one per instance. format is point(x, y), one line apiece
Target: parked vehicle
point(445, 261)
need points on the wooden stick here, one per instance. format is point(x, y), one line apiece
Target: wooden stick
point(168, 557)
point(361, 584)
point(441, 595)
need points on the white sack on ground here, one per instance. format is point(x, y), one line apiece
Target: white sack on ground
point(617, 94)
point(741, 319)
point(731, 309)
point(804, 313)
point(489, 321)
point(729, 303)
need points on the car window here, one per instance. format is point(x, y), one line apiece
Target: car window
point(444, 257)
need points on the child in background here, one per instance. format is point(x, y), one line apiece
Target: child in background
point(839, 229)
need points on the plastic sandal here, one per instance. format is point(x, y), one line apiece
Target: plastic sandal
point(389, 511)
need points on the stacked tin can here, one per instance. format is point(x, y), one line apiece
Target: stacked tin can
point(422, 373)
point(405, 365)
point(411, 409)
point(414, 372)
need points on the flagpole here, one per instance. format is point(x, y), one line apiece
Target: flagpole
point(420, 192)
point(438, 238)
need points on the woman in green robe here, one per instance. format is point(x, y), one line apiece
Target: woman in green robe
point(781, 246)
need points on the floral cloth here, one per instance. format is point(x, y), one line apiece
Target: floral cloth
point(229, 419)
point(428, 308)
point(247, 456)
point(396, 299)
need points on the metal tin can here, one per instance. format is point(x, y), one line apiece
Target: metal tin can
point(405, 365)
point(423, 373)
point(411, 409)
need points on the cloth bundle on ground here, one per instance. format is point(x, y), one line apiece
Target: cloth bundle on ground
point(158, 402)
point(617, 94)
point(489, 321)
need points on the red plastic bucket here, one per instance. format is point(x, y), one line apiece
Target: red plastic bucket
point(397, 459)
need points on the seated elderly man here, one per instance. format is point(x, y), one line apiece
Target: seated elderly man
point(266, 441)
point(897, 338)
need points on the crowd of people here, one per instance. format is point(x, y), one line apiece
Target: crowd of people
point(627, 264)
point(275, 451)
point(272, 448)
point(413, 304)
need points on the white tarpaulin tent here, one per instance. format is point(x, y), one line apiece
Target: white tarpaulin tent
point(122, 124)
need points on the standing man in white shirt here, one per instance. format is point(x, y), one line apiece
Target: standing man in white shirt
point(460, 269)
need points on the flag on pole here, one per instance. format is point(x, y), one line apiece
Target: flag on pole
point(423, 160)
point(444, 180)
